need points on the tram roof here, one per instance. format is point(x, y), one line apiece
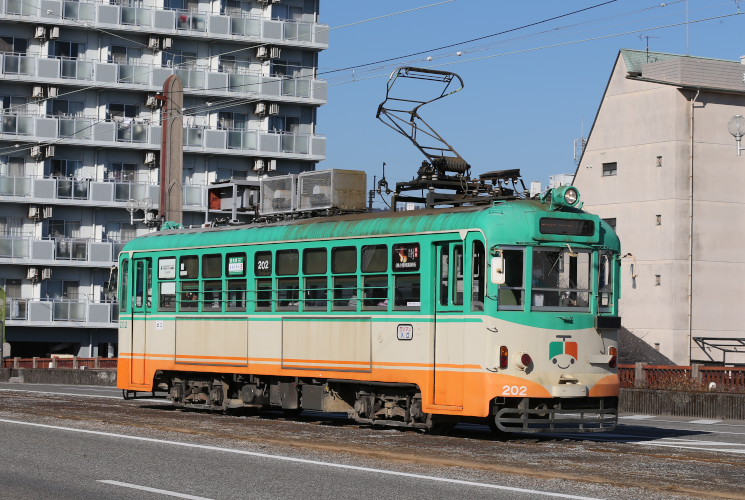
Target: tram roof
point(353, 225)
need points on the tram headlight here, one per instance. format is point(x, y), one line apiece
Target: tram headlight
point(613, 351)
point(504, 355)
point(565, 196)
point(571, 196)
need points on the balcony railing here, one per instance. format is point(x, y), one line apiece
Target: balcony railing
point(93, 193)
point(53, 312)
point(71, 129)
point(163, 21)
point(33, 68)
point(52, 189)
point(48, 251)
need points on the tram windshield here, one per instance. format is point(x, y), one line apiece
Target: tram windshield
point(561, 279)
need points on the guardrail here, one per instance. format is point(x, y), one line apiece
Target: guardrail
point(692, 378)
point(73, 362)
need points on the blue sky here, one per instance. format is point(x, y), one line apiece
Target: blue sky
point(528, 94)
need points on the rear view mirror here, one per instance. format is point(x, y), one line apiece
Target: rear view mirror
point(497, 270)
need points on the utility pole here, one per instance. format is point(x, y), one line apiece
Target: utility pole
point(172, 151)
point(2, 326)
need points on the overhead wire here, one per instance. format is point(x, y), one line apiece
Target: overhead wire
point(242, 100)
point(504, 32)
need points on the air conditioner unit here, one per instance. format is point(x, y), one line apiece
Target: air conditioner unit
point(273, 108)
point(259, 164)
point(153, 42)
point(152, 101)
point(260, 108)
point(167, 42)
point(37, 152)
point(38, 92)
point(149, 157)
point(47, 212)
point(52, 91)
point(48, 151)
point(262, 52)
point(32, 273)
point(40, 32)
point(271, 164)
point(53, 32)
point(46, 273)
point(34, 212)
point(275, 52)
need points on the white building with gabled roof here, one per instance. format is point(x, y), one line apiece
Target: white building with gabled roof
point(661, 166)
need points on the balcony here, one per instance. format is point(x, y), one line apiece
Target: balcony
point(73, 130)
point(150, 77)
point(80, 252)
point(102, 15)
point(62, 313)
point(86, 192)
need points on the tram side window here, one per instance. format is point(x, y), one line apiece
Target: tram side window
point(458, 261)
point(124, 287)
point(375, 286)
point(344, 261)
point(212, 274)
point(235, 270)
point(477, 281)
point(408, 292)
point(189, 291)
point(407, 282)
point(512, 292)
point(143, 290)
point(263, 271)
point(315, 262)
point(288, 286)
point(605, 286)
point(167, 284)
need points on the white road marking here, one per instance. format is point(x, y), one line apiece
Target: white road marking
point(152, 490)
point(664, 444)
point(636, 417)
point(704, 421)
point(304, 461)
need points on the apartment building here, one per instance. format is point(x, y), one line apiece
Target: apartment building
point(662, 167)
point(80, 137)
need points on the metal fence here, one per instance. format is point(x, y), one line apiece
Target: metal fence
point(73, 362)
point(692, 378)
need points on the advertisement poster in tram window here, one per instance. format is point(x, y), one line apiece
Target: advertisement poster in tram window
point(406, 257)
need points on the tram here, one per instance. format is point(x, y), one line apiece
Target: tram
point(502, 310)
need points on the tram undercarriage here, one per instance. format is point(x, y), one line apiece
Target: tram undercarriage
point(381, 404)
point(377, 404)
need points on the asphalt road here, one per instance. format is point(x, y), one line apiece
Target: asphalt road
point(86, 442)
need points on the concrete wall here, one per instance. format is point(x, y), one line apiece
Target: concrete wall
point(723, 406)
point(59, 376)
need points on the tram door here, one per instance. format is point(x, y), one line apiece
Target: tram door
point(141, 302)
point(449, 332)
